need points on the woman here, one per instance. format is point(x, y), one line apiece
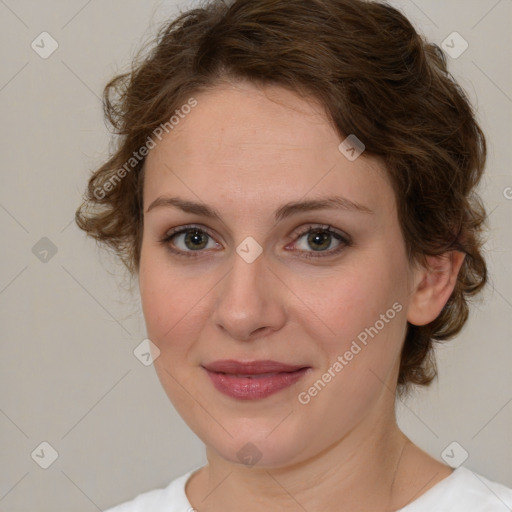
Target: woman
point(295, 192)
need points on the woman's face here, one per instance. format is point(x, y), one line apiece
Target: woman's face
point(252, 285)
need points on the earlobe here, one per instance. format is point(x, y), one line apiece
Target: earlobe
point(433, 287)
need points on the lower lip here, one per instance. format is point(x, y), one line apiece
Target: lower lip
point(253, 388)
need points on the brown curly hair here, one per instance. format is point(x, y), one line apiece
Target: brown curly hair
point(375, 76)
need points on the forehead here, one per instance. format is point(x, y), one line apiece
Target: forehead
point(255, 143)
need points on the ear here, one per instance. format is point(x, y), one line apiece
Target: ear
point(433, 286)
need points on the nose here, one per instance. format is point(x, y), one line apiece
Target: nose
point(250, 300)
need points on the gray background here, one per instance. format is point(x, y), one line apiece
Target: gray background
point(70, 324)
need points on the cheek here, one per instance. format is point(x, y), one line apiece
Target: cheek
point(170, 308)
point(164, 297)
point(365, 311)
point(174, 303)
point(363, 306)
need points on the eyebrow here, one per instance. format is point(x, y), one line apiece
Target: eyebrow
point(284, 211)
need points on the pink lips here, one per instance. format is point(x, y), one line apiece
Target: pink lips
point(254, 379)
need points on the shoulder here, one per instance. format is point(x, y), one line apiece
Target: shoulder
point(169, 499)
point(464, 491)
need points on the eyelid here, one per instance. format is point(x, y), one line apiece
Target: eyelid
point(188, 227)
point(313, 228)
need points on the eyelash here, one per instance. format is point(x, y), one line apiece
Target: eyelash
point(345, 241)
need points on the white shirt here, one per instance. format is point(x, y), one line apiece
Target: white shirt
point(462, 491)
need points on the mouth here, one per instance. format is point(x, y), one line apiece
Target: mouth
point(253, 380)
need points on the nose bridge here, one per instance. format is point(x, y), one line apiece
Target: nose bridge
point(242, 288)
point(246, 301)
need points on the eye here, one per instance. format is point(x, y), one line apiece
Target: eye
point(320, 239)
point(188, 240)
point(191, 240)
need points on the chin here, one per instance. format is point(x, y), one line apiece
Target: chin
point(255, 444)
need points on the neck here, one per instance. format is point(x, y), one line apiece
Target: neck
point(374, 467)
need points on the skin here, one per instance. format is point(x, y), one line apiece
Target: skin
point(246, 150)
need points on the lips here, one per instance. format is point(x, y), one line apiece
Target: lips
point(251, 368)
point(253, 380)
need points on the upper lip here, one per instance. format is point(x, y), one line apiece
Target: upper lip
point(251, 367)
